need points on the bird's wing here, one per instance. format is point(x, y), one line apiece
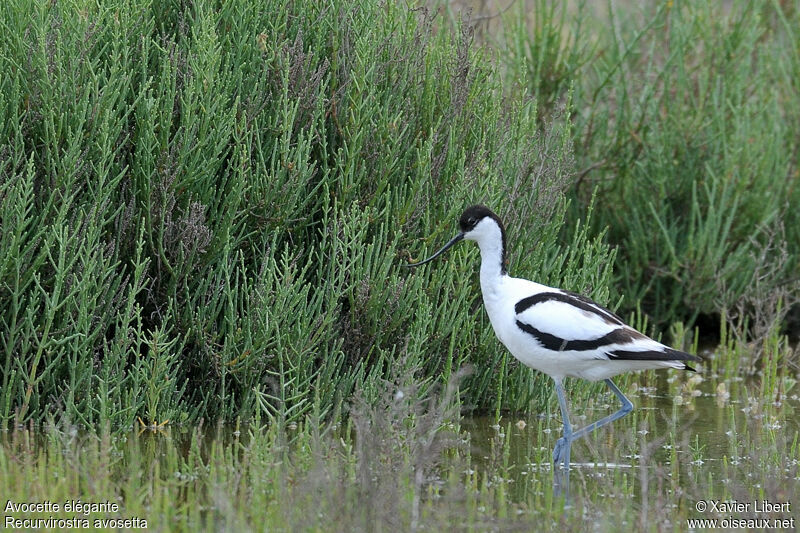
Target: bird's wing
point(581, 299)
point(564, 321)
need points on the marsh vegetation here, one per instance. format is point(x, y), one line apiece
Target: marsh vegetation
point(203, 207)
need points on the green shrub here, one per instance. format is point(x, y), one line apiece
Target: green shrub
point(685, 121)
point(205, 207)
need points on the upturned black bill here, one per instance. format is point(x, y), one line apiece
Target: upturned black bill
point(453, 241)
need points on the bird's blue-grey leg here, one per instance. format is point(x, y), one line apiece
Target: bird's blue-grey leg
point(562, 449)
point(626, 408)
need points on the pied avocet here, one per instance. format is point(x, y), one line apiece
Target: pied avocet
point(555, 331)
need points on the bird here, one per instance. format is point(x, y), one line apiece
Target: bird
point(555, 331)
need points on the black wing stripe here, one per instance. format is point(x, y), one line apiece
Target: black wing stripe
point(571, 298)
point(557, 344)
point(582, 298)
point(668, 354)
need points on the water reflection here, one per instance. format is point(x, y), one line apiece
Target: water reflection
point(700, 432)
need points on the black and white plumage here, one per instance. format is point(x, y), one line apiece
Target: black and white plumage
point(557, 332)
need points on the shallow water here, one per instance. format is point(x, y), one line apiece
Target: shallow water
point(689, 442)
point(689, 434)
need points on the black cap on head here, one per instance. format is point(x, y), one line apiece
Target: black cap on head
point(472, 215)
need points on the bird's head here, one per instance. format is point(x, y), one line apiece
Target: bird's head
point(477, 223)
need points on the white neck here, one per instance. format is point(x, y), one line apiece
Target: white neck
point(492, 260)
